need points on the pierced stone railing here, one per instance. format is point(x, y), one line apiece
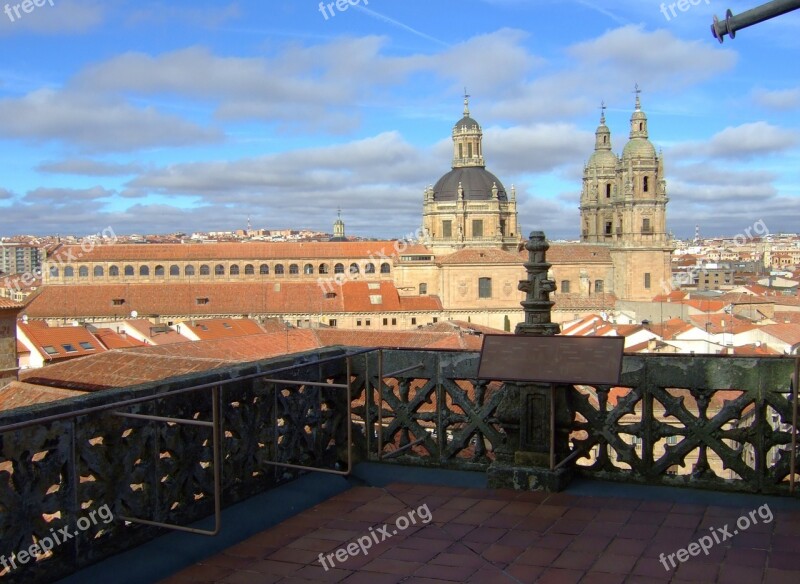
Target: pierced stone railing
point(713, 422)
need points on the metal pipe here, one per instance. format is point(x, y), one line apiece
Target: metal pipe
point(405, 370)
point(795, 391)
point(756, 15)
point(567, 459)
point(164, 419)
point(402, 448)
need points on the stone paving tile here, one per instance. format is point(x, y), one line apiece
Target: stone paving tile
point(487, 536)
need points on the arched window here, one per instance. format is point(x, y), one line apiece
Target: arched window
point(338, 269)
point(598, 286)
point(645, 183)
point(83, 272)
point(205, 270)
point(354, 269)
point(69, 272)
point(249, 270)
point(308, 269)
point(144, 271)
point(174, 270)
point(188, 270)
point(234, 271)
point(294, 269)
point(279, 270)
point(263, 269)
point(323, 268)
point(113, 271)
point(54, 271)
point(219, 270)
point(159, 272)
point(98, 272)
point(386, 268)
point(369, 269)
point(129, 270)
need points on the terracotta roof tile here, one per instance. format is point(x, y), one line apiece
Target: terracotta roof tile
point(7, 303)
point(113, 340)
point(253, 251)
point(488, 255)
point(63, 342)
point(19, 394)
point(222, 328)
point(564, 253)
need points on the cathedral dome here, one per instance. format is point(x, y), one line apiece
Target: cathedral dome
point(467, 123)
point(639, 148)
point(603, 158)
point(477, 184)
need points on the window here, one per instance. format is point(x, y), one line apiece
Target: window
point(423, 289)
point(174, 270)
point(338, 269)
point(249, 270)
point(413, 320)
point(385, 321)
point(477, 228)
point(86, 345)
point(50, 350)
point(159, 271)
point(263, 269)
point(98, 271)
point(447, 228)
point(144, 271)
point(386, 268)
point(69, 272)
point(369, 269)
point(375, 299)
point(484, 287)
point(279, 270)
point(83, 272)
point(565, 286)
point(469, 149)
point(354, 269)
point(219, 270)
point(647, 280)
point(672, 440)
point(128, 271)
point(598, 286)
point(645, 183)
point(609, 227)
point(188, 271)
point(201, 301)
point(234, 270)
point(323, 268)
point(69, 348)
point(461, 151)
point(435, 320)
point(117, 301)
point(358, 322)
point(294, 269)
point(394, 321)
point(367, 322)
point(646, 225)
point(608, 191)
point(332, 322)
point(308, 270)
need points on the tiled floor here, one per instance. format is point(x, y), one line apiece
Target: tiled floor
point(487, 536)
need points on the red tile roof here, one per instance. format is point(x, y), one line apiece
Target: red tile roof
point(7, 303)
point(222, 328)
point(156, 334)
point(565, 253)
point(219, 298)
point(482, 255)
point(252, 251)
point(114, 340)
point(63, 342)
point(713, 323)
point(18, 394)
point(671, 328)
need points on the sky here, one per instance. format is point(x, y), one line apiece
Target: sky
point(159, 117)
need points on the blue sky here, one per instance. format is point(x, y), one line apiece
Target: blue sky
point(154, 117)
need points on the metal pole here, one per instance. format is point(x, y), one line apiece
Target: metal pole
point(795, 391)
point(732, 23)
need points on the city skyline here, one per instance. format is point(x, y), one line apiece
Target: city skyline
point(157, 119)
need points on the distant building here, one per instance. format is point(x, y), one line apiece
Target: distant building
point(19, 258)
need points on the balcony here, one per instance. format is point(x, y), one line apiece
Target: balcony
point(684, 444)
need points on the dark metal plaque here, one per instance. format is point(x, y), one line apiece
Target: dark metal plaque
point(552, 359)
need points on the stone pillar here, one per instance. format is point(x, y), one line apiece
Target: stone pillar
point(523, 462)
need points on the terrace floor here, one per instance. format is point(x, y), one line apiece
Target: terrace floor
point(594, 532)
